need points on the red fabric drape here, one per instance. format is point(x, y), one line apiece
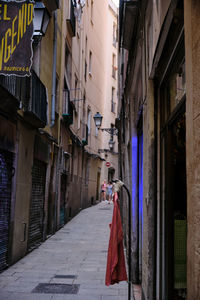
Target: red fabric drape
point(116, 270)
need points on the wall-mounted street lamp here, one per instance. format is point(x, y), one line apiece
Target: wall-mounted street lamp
point(40, 20)
point(98, 120)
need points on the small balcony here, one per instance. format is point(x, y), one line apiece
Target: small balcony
point(51, 5)
point(68, 108)
point(12, 90)
point(71, 20)
point(85, 140)
point(35, 106)
point(129, 13)
point(30, 92)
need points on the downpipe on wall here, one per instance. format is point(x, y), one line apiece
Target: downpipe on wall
point(53, 102)
point(53, 92)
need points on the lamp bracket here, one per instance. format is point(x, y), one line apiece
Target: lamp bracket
point(103, 150)
point(112, 131)
point(106, 151)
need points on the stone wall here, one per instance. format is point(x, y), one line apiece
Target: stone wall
point(192, 40)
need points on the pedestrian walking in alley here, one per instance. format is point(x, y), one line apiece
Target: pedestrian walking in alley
point(109, 191)
point(103, 190)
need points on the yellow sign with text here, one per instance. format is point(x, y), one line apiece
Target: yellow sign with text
point(16, 31)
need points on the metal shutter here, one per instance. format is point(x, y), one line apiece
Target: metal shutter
point(37, 204)
point(6, 163)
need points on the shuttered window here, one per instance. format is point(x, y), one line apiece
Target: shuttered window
point(37, 204)
point(6, 163)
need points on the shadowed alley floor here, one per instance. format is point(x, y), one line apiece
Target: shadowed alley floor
point(70, 265)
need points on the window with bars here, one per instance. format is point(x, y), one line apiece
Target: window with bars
point(112, 100)
point(90, 63)
point(114, 34)
point(114, 68)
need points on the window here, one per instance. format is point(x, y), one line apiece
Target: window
point(90, 63)
point(66, 99)
point(92, 10)
point(112, 100)
point(114, 34)
point(85, 73)
point(57, 94)
point(173, 92)
point(85, 69)
point(75, 96)
point(68, 63)
point(89, 121)
point(112, 136)
point(75, 88)
point(85, 46)
point(114, 66)
point(83, 118)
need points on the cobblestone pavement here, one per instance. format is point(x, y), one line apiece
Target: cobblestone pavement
point(76, 255)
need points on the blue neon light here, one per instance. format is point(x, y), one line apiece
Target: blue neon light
point(134, 147)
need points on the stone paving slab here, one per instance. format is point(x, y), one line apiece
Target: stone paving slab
point(24, 296)
point(80, 249)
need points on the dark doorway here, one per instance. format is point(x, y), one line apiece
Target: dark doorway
point(111, 174)
point(51, 220)
point(98, 186)
point(63, 200)
point(174, 207)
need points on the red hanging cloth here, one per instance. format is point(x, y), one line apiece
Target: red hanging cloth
point(116, 270)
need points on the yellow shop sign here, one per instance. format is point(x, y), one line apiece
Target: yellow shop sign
point(16, 31)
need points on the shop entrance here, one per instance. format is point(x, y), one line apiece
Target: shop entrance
point(174, 206)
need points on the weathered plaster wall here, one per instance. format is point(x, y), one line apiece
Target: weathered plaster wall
point(148, 194)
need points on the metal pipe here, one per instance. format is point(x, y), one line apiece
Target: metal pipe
point(129, 243)
point(53, 95)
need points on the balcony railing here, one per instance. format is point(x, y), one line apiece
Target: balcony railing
point(85, 140)
point(67, 108)
point(71, 20)
point(13, 89)
point(30, 92)
point(35, 107)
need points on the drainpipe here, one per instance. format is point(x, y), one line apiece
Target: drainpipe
point(53, 92)
point(53, 102)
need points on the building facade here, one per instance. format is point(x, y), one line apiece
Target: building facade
point(50, 166)
point(158, 113)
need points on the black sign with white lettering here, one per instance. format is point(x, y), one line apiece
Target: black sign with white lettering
point(16, 31)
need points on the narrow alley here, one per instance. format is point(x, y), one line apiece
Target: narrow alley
point(76, 255)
